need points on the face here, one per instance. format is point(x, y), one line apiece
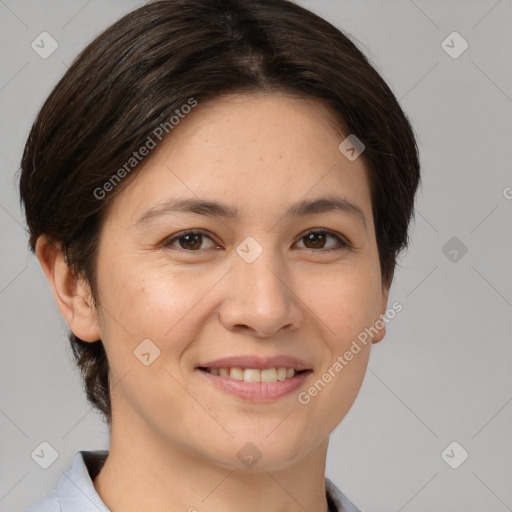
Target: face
point(271, 281)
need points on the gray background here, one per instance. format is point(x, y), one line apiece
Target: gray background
point(443, 372)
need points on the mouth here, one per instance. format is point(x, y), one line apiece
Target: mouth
point(255, 384)
point(254, 375)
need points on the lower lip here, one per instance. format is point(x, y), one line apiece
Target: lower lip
point(257, 391)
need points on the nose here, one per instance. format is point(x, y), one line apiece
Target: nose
point(260, 297)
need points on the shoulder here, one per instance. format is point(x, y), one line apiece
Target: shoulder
point(75, 489)
point(49, 503)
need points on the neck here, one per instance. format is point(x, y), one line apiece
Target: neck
point(143, 472)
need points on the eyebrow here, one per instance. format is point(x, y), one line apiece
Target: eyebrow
point(216, 209)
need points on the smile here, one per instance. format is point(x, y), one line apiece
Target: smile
point(254, 374)
point(254, 384)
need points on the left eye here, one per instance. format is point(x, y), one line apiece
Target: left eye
point(319, 237)
point(191, 240)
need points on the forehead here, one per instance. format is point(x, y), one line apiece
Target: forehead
point(259, 151)
point(255, 115)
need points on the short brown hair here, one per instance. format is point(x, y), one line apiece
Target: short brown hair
point(144, 67)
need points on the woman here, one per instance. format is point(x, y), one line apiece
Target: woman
point(217, 192)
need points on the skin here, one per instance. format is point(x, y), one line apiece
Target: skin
point(174, 436)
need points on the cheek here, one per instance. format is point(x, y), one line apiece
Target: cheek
point(168, 306)
point(345, 302)
point(147, 300)
point(155, 303)
point(329, 397)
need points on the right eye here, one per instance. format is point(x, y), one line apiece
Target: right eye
point(189, 241)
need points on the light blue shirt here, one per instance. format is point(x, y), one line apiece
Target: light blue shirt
point(75, 490)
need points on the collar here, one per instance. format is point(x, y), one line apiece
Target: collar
point(76, 491)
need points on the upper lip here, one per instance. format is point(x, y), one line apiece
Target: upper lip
point(258, 362)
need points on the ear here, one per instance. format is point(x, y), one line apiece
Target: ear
point(73, 296)
point(379, 324)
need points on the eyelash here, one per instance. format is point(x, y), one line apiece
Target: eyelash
point(344, 244)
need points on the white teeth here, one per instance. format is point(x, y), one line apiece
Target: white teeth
point(281, 373)
point(269, 375)
point(236, 373)
point(254, 374)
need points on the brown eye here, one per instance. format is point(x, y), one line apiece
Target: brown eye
point(191, 241)
point(317, 239)
point(188, 241)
